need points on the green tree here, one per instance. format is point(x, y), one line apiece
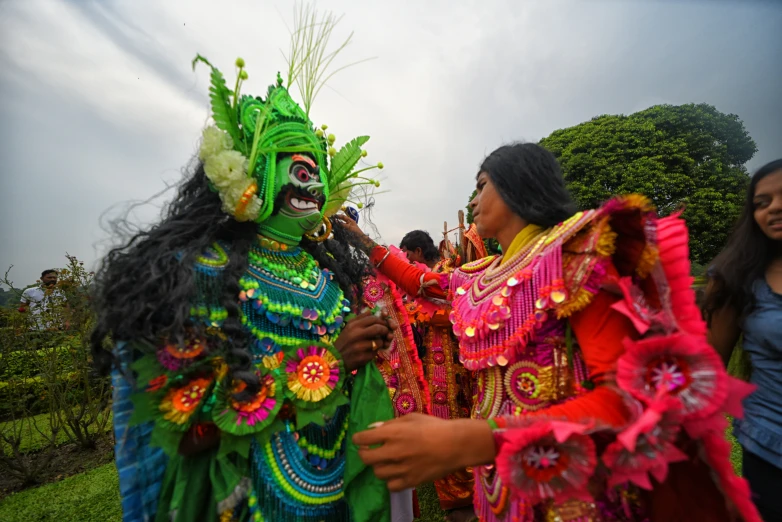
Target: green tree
point(689, 156)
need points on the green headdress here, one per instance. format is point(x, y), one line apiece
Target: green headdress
point(250, 134)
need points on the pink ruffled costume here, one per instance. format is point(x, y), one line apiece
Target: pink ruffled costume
point(594, 368)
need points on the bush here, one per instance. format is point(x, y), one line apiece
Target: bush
point(24, 364)
point(28, 396)
point(50, 371)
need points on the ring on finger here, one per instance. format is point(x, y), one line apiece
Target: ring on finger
point(374, 345)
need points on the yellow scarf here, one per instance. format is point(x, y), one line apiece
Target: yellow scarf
point(521, 240)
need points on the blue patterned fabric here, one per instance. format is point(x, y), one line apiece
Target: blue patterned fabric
point(140, 466)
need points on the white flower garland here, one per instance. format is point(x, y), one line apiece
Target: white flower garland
point(226, 169)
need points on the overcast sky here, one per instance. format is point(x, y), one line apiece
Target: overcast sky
point(99, 106)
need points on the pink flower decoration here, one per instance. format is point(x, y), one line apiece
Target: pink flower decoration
point(646, 446)
point(549, 459)
point(679, 365)
point(373, 291)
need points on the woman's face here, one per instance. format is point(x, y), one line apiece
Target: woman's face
point(768, 205)
point(489, 212)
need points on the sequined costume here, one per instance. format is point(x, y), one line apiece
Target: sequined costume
point(593, 368)
point(400, 365)
point(283, 450)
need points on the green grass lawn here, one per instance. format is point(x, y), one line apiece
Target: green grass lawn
point(90, 497)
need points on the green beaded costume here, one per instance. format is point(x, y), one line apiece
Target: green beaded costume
point(284, 451)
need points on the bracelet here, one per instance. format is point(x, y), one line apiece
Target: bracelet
point(388, 252)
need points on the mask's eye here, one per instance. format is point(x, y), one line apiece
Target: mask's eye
point(301, 173)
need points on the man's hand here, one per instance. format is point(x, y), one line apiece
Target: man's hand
point(362, 337)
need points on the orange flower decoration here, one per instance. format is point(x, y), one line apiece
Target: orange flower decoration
point(179, 404)
point(191, 349)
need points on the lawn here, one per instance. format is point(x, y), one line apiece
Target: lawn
point(90, 497)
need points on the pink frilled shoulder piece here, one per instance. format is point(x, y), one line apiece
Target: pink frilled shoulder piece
point(670, 377)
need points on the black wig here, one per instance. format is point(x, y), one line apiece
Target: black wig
point(144, 288)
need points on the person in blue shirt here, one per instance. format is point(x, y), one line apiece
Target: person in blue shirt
point(744, 297)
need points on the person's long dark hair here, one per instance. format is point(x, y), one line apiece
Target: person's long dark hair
point(421, 239)
point(144, 288)
point(529, 180)
point(744, 259)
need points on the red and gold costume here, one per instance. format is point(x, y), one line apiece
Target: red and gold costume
point(451, 386)
point(399, 364)
point(594, 371)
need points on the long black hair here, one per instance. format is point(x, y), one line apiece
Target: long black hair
point(744, 259)
point(144, 288)
point(529, 180)
point(421, 239)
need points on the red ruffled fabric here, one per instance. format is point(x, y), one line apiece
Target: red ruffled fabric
point(549, 459)
point(679, 386)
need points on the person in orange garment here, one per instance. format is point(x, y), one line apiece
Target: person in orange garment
point(598, 395)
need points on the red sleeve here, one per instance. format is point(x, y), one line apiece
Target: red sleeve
point(408, 277)
point(600, 332)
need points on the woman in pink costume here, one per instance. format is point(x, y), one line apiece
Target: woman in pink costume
point(598, 395)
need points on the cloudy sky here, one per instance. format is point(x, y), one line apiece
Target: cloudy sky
point(99, 106)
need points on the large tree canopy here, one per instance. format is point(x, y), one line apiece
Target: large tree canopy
point(685, 155)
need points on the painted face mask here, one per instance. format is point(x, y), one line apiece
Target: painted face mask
point(269, 164)
point(299, 199)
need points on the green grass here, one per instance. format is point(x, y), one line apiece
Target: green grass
point(36, 432)
point(90, 497)
point(429, 504)
point(735, 451)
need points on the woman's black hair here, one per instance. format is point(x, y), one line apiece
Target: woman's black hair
point(744, 259)
point(530, 182)
point(144, 288)
point(421, 239)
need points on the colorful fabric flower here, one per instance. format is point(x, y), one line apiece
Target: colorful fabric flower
point(313, 373)
point(253, 414)
point(405, 403)
point(174, 356)
point(549, 459)
point(680, 365)
point(646, 446)
point(180, 403)
point(373, 291)
point(635, 307)
point(191, 349)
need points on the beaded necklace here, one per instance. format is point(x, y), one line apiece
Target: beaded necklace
point(286, 287)
point(498, 306)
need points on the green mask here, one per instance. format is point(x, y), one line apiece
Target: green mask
point(267, 161)
point(298, 199)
